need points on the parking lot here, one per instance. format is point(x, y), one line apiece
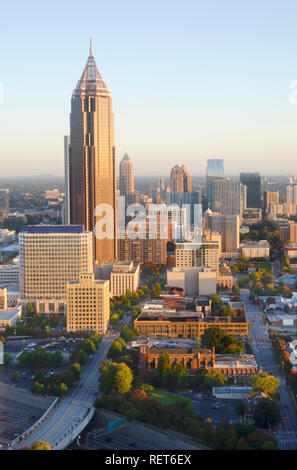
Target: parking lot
point(27, 374)
point(211, 407)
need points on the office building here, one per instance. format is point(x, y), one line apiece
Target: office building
point(288, 232)
point(228, 227)
point(126, 176)
point(92, 166)
point(180, 180)
point(88, 305)
point(270, 197)
point(9, 273)
point(66, 212)
point(193, 281)
point(291, 193)
point(4, 201)
point(226, 197)
point(252, 181)
point(169, 323)
point(214, 171)
point(50, 257)
point(123, 276)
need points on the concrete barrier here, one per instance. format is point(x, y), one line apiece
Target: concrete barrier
point(74, 432)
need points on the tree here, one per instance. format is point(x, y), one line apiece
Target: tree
point(208, 434)
point(164, 369)
point(198, 341)
point(115, 377)
point(242, 444)
point(156, 290)
point(266, 412)
point(239, 408)
point(127, 334)
point(15, 377)
point(225, 436)
point(30, 309)
point(265, 383)
point(89, 347)
point(41, 445)
point(117, 348)
point(179, 376)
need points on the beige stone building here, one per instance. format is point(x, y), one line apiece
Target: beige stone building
point(124, 276)
point(50, 257)
point(88, 304)
point(254, 249)
point(193, 280)
point(189, 254)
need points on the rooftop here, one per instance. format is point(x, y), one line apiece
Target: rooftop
point(55, 229)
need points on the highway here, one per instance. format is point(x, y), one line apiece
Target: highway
point(74, 407)
point(260, 342)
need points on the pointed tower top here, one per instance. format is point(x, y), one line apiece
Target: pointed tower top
point(91, 79)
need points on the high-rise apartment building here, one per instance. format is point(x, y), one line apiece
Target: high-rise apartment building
point(126, 176)
point(227, 196)
point(228, 226)
point(270, 197)
point(88, 304)
point(180, 180)
point(205, 254)
point(92, 172)
point(252, 181)
point(147, 245)
point(50, 257)
point(291, 190)
point(4, 201)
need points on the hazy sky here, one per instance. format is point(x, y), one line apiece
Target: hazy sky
point(190, 80)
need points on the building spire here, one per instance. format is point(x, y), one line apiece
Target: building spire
point(91, 47)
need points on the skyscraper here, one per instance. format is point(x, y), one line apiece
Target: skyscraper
point(214, 171)
point(226, 196)
point(4, 201)
point(252, 181)
point(126, 176)
point(92, 173)
point(66, 213)
point(180, 180)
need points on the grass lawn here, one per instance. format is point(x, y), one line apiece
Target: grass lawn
point(166, 397)
point(266, 266)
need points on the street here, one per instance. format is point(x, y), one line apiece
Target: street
point(260, 342)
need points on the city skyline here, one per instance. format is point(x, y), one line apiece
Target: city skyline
point(243, 114)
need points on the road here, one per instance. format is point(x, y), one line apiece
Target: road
point(260, 342)
point(75, 406)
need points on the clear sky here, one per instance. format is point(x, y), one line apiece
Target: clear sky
point(190, 80)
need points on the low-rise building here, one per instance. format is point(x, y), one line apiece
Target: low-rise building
point(9, 273)
point(253, 249)
point(9, 316)
point(164, 322)
point(195, 281)
point(238, 367)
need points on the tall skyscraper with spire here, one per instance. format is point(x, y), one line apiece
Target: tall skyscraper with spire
point(92, 173)
point(126, 176)
point(180, 180)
